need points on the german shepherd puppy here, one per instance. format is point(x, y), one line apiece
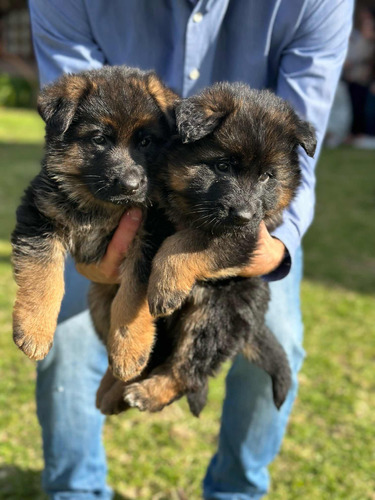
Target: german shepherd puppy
point(103, 129)
point(234, 164)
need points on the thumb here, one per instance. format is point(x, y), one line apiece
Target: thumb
point(122, 239)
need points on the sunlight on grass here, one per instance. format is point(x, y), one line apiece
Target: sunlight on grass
point(20, 126)
point(328, 452)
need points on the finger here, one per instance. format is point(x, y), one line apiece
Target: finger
point(125, 233)
point(121, 241)
point(107, 270)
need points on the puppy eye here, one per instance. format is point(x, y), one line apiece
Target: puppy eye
point(264, 177)
point(222, 167)
point(99, 140)
point(145, 142)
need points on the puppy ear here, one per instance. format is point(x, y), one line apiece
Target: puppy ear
point(164, 97)
point(306, 137)
point(200, 115)
point(58, 102)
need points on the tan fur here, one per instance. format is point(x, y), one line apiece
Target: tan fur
point(157, 391)
point(100, 300)
point(285, 198)
point(75, 87)
point(250, 352)
point(162, 95)
point(164, 385)
point(179, 179)
point(132, 330)
point(70, 165)
point(179, 263)
point(38, 300)
point(176, 267)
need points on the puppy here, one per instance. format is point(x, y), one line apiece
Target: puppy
point(234, 164)
point(103, 128)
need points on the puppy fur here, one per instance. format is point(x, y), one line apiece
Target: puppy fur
point(233, 164)
point(103, 129)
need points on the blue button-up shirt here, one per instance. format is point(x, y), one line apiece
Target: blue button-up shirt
point(294, 47)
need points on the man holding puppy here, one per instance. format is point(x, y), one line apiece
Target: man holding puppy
point(296, 48)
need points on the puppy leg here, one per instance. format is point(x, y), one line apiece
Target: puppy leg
point(182, 259)
point(110, 395)
point(132, 330)
point(154, 393)
point(40, 281)
point(100, 302)
point(174, 378)
point(265, 351)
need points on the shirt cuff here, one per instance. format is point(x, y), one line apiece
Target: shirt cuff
point(288, 234)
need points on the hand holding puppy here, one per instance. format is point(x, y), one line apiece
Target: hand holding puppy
point(268, 256)
point(107, 271)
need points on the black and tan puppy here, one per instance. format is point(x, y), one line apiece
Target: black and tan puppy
point(234, 164)
point(103, 128)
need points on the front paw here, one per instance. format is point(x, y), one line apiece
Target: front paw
point(35, 347)
point(165, 302)
point(127, 368)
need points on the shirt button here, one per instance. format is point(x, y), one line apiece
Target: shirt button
point(198, 16)
point(194, 74)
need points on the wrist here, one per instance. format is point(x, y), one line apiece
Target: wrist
point(279, 253)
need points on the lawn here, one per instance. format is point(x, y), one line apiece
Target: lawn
point(329, 450)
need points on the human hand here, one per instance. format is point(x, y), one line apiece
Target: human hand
point(108, 269)
point(268, 255)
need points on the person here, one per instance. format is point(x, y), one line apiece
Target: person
point(295, 48)
point(359, 75)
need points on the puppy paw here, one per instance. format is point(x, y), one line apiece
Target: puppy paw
point(150, 394)
point(126, 369)
point(128, 359)
point(35, 347)
point(137, 396)
point(164, 303)
point(112, 402)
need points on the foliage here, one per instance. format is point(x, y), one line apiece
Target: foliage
point(17, 92)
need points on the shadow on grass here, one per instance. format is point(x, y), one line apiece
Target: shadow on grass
point(21, 484)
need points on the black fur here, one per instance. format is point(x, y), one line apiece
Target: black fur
point(103, 130)
point(237, 150)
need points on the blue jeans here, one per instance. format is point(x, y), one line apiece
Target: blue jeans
point(251, 429)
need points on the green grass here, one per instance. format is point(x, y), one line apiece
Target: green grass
point(328, 452)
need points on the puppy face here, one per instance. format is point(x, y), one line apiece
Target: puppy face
point(103, 129)
point(238, 161)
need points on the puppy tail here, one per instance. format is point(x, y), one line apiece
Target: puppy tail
point(197, 400)
point(266, 352)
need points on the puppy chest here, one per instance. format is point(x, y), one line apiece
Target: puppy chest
point(88, 243)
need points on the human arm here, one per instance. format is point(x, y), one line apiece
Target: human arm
point(62, 38)
point(310, 67)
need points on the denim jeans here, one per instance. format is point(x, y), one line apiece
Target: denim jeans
point(251, 428)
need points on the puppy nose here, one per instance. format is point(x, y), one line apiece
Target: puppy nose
point(241, 217)
point(129, 184)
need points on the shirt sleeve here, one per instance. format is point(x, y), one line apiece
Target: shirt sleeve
point(310, 68)
point(62, 38)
